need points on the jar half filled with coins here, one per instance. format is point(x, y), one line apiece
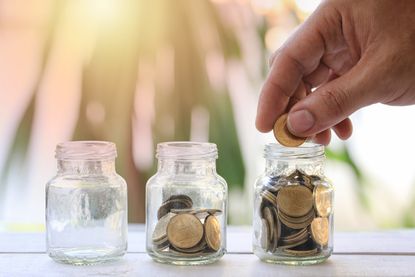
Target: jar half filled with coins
point(186, 205)
point(293, 209)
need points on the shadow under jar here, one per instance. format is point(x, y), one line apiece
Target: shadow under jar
point(293, 209)
point(86, 205)
point(186, 203)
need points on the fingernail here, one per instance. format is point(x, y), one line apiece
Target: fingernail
point(300, 121)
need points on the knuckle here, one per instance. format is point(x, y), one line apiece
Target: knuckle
point(334, 100)
point(276, 86)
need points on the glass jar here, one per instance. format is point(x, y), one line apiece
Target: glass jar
point(86, 205)
point(186, 204)
point(293, 208)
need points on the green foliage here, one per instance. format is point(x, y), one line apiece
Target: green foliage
point(191, 29)
point(343, 155)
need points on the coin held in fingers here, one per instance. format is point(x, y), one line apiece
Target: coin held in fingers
point(283, 135)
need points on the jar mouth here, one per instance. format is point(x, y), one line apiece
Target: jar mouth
point(186, 150)
point(305, 151)
point(86, 150)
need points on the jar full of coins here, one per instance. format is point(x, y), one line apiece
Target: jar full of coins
point(86, 205)
point(186, 204)
point(293, 209)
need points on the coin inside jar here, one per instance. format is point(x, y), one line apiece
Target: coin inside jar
point(320, 230)
point(283, 135)
point(270, 197)
point(160, 231)
point(297, 222)
point(264, 237)
point(295, 200)
point(301, 253)
point(174, 202)
point(322, 200)
point(200, 213)
point(268, 216)
point(212, 232)
point(193, 250)
point(182, 197)
point(184, 231)
point(288, 205)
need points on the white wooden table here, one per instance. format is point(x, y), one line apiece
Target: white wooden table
point(389, 253)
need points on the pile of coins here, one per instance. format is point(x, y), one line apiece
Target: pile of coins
point(185, 231)
point(295, 212)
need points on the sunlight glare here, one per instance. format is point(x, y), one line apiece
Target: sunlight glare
point(307, 6)
point(102, 11)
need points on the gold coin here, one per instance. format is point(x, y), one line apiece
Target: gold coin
point(180, 197)
point(214, 211)
point(194, 250)
point(264, 238)
point(276, 231)
point(283, 135)
point(320, 230)
point(200, 213)
point(296, 226)
point(297, 222)
point(297, 234)
point(268, 216)
point(294, 200)
point(162, 246)
point(300, 219)
point(293, 243)
point(322, 200)
point(184, 231)
point(160, 231)
point(270, 197)
point(301, 178)
point(212, 232)
point(301, 253)
point(175, 203)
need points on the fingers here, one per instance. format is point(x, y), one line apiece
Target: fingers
point(323, 137)
point(344, 129)
point(276, 92)
point(331, 104)
point(298, 57)
point(301, 92)
point(318, 76)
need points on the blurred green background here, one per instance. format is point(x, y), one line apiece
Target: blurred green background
point(139, 72)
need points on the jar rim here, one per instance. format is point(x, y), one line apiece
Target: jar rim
point(186, 150)
point(305, 151)
point(91, 150)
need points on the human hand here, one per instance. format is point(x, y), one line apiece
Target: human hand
point(354, 53)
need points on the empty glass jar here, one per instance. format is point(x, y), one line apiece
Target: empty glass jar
point(186, 204)
point(86, 205)
point(293, 209)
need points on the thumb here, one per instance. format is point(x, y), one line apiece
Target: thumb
point(331, 103)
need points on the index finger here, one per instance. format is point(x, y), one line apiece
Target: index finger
point(298, 57)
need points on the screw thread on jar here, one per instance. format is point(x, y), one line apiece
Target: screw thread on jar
point(86, 157)
point(309, 157)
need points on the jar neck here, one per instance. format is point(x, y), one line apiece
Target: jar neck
point(281, 160)
point(283, 167)
point(86, 167)
point(197, 167)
